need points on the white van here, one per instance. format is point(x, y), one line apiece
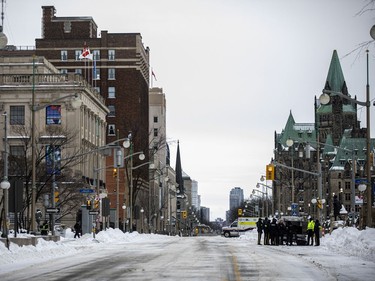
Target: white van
point(240, 225)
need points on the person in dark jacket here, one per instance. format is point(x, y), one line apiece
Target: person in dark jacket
point(266, 229)
point(44, 229)
point(259, 229)
point(281, 228)
point(273, 231)
point(289, 233)
point(77, 230)
point(317, 232)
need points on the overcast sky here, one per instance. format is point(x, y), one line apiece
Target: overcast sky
point(231, 70)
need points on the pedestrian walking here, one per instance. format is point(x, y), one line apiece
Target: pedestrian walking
point(259, 229)
point(77, 230)
point(317, 228)
point(310, 232)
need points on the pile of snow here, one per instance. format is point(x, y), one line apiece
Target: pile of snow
point(347, 241)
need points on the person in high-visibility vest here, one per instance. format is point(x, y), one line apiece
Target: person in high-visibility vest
point(310, 232)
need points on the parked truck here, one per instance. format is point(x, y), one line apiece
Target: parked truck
point(239, 226)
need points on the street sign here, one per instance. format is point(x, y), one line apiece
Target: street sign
point(94, 213)
point(86, 190)
point(294, 209)
point(359, 181)
point(52, 210)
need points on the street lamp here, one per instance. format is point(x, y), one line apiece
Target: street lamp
point(5, 185)
point(289, 143)
point(128, 143)
point(124, 218)
point(142, 210)
point(324, 99)
point(270, 187)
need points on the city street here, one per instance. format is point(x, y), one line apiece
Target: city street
point(188, 258)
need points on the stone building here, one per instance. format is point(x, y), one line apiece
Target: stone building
point(70, 127)
point(332, 150)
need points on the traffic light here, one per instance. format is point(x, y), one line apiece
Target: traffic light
point(88, 204)
point(270, 172)
point(239, 211)
point(319, 203)
point(96, 204)
point(56, 196)
point(184, 214)
point(115, 173)
point(372, 159)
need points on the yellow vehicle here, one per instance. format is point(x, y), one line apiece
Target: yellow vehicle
point(239, 226)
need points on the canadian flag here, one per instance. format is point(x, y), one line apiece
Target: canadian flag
point(86, 54)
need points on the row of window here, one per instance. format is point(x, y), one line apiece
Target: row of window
point(53, 117)
point(17, 115)
point(95, 54)
point(95, 73)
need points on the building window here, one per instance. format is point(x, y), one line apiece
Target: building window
point(17, 151)
point(63, 71)
point(96, 54)
point(111, 130)
point(78, 71)
point(347, 185)
point(156, 119)
point(17, 115)
point(64, 55)
point(111, 92)
point(97, 89)
point(112, 111)
point(111, 54)
point(155, 132)
point(67, 26)
point(348, 197)
point(53, 115)
point(111, 74)
point(77, 53)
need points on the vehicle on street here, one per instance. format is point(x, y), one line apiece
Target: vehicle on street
point(299, 226)
point(239, 226)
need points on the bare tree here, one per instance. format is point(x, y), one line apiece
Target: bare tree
point(20, 167)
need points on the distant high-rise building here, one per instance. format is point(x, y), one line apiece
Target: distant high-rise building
point(236, 197)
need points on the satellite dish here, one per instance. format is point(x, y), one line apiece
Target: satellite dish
point(372, 32)
point(3, 40)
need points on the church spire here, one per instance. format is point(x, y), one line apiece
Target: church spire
point(335, 78)
point(178, 169)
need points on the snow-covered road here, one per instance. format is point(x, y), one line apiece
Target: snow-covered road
point(117, 256)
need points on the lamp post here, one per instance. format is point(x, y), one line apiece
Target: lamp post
point(290, 143)
point(263, 207)
point(5, 185)
point(270, 187)
point(324, 99)
point(142, 210)
point(128, 143)
point(124, 217)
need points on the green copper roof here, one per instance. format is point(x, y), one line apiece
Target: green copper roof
point(335, 77)
point(299, 132)
point(358, 145)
